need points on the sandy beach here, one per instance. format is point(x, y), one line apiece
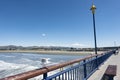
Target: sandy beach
point(50, 52)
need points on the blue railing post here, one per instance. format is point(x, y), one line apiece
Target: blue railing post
point(44, 76)
point(97, 62)
point(85, 71)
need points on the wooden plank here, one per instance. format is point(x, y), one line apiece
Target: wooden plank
point(111, 70)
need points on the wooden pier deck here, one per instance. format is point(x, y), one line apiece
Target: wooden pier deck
point(113, 60)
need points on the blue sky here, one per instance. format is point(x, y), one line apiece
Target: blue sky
point(59, 23)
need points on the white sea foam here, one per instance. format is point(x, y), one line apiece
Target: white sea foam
point(7, 69)
point(9, 56)
point(7, 66)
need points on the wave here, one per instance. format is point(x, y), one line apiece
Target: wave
point(8, 69)
point(23, 65)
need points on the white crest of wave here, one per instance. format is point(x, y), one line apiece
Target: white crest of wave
point(8, 69)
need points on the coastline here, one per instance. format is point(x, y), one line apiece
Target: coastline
point(50, 52)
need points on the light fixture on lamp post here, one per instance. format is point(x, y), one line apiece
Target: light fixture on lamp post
point(93, 8)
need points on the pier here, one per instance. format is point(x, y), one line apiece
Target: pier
point(88, 68)
point(113, 60)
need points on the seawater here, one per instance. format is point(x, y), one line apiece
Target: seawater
point(14, 63)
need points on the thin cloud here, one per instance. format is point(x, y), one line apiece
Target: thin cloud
point(43, 35)
point(78, 45)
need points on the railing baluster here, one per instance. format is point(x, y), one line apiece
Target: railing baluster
point(65, 75)
point(44, 76)
point(62, 76)
point(73, 74)
point(68, 76)
point(85, 71)
point(59, 77)
point(79, 72)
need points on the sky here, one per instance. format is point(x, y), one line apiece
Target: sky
point(66, 23)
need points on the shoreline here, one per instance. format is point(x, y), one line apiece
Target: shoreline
point(50, 52)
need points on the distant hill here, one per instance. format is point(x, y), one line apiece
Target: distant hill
point(13, 47)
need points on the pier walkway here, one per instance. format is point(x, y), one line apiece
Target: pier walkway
point(113, 60)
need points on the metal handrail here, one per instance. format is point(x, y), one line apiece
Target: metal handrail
point(40, 71)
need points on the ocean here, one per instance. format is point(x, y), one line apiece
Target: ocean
point(14, 63)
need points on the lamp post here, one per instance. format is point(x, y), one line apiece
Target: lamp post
point(93, 8)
